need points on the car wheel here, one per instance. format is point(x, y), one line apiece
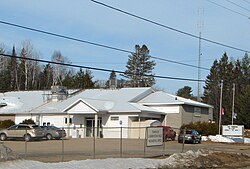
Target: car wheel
point(58, 138)
point(27, 137)
point(3, 137)
point(49, 137)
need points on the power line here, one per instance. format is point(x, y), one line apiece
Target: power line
point(229, 9)
point(184, 64)
point(102, 69)
point(238, 5)
point(168, 27)
point(91, 43)
point(246, 1)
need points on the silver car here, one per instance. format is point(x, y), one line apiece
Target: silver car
point(53, 132)
point(25, 131)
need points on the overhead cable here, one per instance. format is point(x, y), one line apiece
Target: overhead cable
point(228, 9)
point(92, 43)
point(102, 69)
point(170, 28)
point(238, 5)
point(246, 1)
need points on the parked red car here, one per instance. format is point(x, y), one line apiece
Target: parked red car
point(168, 133)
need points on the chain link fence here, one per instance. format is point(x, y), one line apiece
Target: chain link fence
point(91, 143)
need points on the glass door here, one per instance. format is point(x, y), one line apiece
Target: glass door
point(89, 127)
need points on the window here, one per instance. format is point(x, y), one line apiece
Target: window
point(197, 111)
point(66, 120)
point(23, 127)
point(114, 118)
point(13, 127)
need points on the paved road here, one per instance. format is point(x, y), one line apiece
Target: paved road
point(88, 148)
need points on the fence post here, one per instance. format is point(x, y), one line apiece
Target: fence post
point(25, 142)
point(145, 141)
point(94, 142)
point(121, 142)
point(62, 146)
point(164, 142)
point(183, 139)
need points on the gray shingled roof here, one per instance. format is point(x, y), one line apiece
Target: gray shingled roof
point(162, 98)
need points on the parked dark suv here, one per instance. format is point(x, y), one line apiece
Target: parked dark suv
point(52, 132)
point(25, 131)
point(191, 136)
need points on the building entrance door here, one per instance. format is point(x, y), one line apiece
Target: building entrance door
point(89, 127)
point(90, 123)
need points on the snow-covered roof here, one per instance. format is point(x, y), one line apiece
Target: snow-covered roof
point(163, 98)
point(123, 100)
point(102, 100)
point(21, 101)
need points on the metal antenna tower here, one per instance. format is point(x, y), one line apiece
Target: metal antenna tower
point(200, 26)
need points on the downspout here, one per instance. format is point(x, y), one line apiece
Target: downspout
point(139, 126)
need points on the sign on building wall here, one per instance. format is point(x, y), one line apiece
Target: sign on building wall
point(168, 110)
point(232, 130)
point(197, 111)
point(154, 136)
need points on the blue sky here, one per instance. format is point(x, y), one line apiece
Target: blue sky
point(89, 21)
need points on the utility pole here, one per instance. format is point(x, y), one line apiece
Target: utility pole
point(221, 89)
point(233, 104)
point(200, 26)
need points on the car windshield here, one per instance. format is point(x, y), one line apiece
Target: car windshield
point(189, 132)
point(50, 127)
point(53, 127)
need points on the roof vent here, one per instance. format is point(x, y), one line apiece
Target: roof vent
point(58, 93)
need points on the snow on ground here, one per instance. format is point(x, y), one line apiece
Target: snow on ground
point(222, 139)
point(110, 163)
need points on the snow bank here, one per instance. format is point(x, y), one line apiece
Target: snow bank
point(222, 139)
point(110, 163)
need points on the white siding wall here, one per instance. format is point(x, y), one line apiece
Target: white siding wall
point(81, 108)
point(53, 120)
point(112, 128)
point(80, 129)
point(20, 118)
point(167, 109)
point(173, 115)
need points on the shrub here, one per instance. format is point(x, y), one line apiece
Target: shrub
point(6, 123)
point(28, 121)
point(203, 128)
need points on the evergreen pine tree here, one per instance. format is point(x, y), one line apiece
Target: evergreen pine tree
point(185, 92)
point(139, 68)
